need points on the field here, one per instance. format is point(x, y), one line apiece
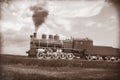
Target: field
point(23, 68)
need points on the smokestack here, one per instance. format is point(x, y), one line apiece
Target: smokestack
point(35, 34)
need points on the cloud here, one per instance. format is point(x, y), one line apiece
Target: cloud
point(90, 23)
point(75, 8)
point(14, 41)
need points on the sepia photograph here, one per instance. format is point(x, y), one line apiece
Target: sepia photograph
point(59, 39)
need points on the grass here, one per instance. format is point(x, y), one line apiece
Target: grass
point(23, 68)
point(21, 72)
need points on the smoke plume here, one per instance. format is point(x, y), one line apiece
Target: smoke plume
point(39, 15)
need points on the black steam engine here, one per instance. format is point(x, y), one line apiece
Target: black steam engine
point(54, 48)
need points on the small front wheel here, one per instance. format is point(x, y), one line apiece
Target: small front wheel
point(40, 55)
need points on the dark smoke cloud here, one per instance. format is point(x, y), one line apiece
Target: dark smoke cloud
point(39, 16)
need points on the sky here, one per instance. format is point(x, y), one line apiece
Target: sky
point(95, 19)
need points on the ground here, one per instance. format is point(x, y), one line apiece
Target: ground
point(11, 70)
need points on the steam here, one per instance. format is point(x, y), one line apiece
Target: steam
point(39, 15)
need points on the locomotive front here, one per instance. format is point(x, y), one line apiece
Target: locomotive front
point(48, 48)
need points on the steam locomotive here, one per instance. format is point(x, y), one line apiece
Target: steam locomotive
point(54, 48)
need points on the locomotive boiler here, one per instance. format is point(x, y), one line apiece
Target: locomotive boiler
point(51, 47)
